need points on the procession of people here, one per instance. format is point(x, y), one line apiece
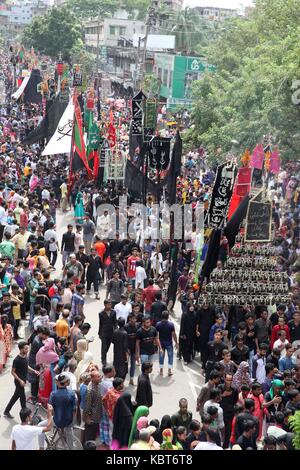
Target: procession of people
point(247, 353)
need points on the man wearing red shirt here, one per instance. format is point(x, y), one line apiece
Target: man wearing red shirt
point(131, 266)
point(149, 295)
point(281, 326)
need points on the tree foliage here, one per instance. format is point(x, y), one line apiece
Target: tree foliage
point(249, 96)
point(294, 422)
point(90, 8)
point(58, 31)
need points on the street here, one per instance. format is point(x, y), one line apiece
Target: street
point(167, 391)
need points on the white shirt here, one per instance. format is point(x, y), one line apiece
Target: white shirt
point(25, 436)
point(207, 446)
point(73, 382)
point(275, 431)
point(122, 311)
point(140, 276)
point(50, 234)
point(278, 345)
point(3, 216)
point(209, 403)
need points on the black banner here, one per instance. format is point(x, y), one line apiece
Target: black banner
point(259, 222)
point(137, 114)
point(221, 195)
point(159, 153)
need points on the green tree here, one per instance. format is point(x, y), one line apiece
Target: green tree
point(90, 8)
point(58, 31)
point(136, 8)
point(294, 422)
point(249, 96)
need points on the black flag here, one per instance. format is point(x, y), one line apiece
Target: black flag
point(49, 123)
point(212, 254)
point(232, 228)
point(175, 168)
point(31, 94)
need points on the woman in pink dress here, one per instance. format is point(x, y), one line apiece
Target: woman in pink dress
point(46, 358)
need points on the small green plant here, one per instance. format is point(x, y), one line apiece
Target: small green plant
point(294, 422)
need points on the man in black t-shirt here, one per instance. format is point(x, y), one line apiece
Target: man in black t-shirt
point(6, 308)
point(19, 371)
point(147, 341)
point(131, 330)
point(294, 326)
point(215, 349)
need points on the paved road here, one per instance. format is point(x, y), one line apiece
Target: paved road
point(186, 381)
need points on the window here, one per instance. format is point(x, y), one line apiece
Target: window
point(112, 30)
point(170, 78)
point(159, 73)
point(122, 30)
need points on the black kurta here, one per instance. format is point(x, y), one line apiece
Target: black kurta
point(120, 342)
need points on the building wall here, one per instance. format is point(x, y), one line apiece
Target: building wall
point(216, 14)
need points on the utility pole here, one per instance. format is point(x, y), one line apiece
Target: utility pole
point(150, 21)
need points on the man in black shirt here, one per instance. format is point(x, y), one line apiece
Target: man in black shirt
point(19, 371)
point(215, 349)
point(274, 357)
point(158, 307)
point(107, 324)
point(144, 395)
point(294, 326)
point(247, 440)
point(67, 244)
point(93, 272)
point(229, 399)
point(131, 330)
point(245, 416)
point(146, 341)
point(240, 352)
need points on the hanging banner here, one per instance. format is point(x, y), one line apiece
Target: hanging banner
point(77, 76)
point(159, 153)
point(137, 114)
point(112, 136)
point(259, 221)
point(243, 185)
point(150, 119)
point(221, 195)
point(60, 142)
point(21, 89)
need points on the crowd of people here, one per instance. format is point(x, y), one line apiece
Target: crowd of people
point(248, 355)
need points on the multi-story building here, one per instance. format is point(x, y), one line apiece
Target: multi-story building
point(17, 14)
point(215, 13)
point(115, 38)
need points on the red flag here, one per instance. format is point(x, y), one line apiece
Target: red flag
point(112, 135)
point(96, 164)
point(243, 185)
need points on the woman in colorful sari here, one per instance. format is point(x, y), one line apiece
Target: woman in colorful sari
point(141, 411)
point(79, 209)
point(46, 358)
point(8, 335)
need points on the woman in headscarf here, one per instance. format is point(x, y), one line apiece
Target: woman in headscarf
point(84, 364)
point(81, 349)
point(122, 419)
point(79, 209)
point(273, 400)
point(164, 424)
point(46, 358)
point(242, 376)
point(139, 412)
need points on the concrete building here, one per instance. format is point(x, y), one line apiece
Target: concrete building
point(216, 13)
point(18, 14)
point(116, 51)
point(171, 4)
point(176, 75)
